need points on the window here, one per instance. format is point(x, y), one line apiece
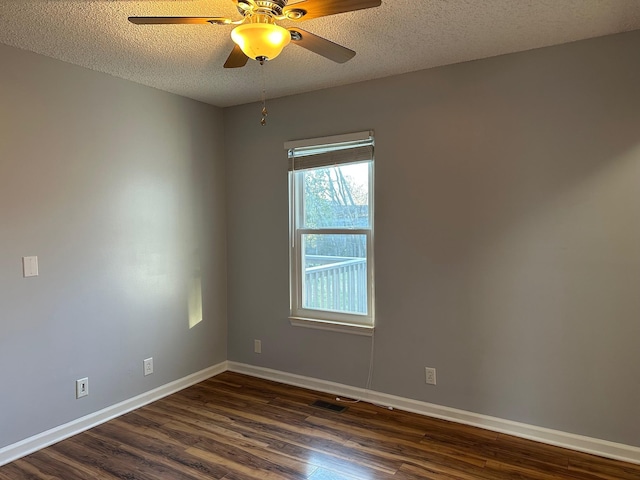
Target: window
point(331, 230)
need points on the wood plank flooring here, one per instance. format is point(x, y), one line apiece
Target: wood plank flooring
point(235, 427)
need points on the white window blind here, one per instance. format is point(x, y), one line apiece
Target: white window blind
point(328, 151)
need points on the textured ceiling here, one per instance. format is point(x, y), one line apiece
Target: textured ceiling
point(398, 37)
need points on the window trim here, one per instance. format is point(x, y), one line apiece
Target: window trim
point(317, 324)
point(321, 319)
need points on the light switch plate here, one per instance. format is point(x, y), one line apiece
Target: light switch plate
point(82, 387)
point(30, 266)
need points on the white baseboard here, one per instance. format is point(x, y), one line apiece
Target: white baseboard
point(29, 445)
point(595, 446)
point(580, 443)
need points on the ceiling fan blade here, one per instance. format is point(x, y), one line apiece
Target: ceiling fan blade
point(322, 8)
point(236, 59)
point(321, 46)
point(179, 20)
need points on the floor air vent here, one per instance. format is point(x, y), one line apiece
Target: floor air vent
point(328, 406)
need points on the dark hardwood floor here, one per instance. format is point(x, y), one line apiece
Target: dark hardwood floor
point(236, 427)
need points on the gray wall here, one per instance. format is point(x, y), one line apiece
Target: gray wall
point(119, 190)
point(507, 236)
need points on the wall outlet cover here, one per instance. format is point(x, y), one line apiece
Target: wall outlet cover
point(430, 375)
point(148, 366)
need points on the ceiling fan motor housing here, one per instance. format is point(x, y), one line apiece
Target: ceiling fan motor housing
point(273, 7)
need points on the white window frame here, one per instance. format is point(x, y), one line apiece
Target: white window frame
point(342, 150)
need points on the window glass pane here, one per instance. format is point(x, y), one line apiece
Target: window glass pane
point(336, 197)
point(334, 273)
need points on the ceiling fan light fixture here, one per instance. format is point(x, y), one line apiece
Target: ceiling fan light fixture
point(261, 40)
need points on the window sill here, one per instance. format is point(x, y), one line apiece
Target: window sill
point(354, 329)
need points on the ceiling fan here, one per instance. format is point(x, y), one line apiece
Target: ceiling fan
point(258, 36)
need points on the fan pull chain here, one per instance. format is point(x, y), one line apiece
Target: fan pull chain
point(263, 120)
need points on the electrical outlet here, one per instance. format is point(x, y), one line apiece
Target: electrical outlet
point(257, 346)
point(430, 375)
point(82, 387)
point(148, 366)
